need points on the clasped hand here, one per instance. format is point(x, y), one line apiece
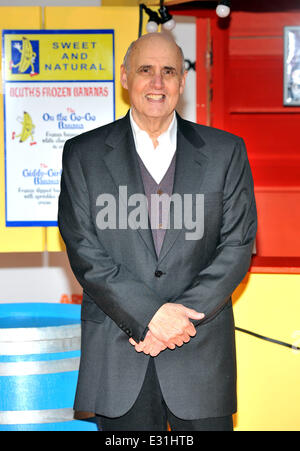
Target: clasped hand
point(169, 327)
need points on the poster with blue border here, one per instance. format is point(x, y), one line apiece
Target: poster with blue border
point(56, 85)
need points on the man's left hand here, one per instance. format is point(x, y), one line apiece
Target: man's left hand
point(150, 345)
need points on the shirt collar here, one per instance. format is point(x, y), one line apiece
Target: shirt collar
point(168, 137)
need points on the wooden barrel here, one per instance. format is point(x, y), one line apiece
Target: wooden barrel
point(39, 361)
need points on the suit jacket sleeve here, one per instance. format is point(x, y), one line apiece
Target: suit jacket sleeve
point(124, 298)
point(213, 286)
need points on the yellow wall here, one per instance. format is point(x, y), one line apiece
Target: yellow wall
point(268, 374)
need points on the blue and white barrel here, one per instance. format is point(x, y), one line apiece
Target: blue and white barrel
point(39, 361)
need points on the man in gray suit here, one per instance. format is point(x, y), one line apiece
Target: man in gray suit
point(158, 341)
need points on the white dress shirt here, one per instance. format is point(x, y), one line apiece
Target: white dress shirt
point(156, 159)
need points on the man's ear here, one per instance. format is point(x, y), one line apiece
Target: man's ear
point(182, 82)
point(124, 77)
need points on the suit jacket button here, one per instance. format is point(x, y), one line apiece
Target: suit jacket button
point(158, 273)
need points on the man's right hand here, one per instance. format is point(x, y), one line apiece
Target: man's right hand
point(171, 324)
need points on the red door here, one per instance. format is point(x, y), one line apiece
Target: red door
point(240, 89)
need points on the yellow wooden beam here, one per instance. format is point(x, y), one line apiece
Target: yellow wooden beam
point(17, 239)
point(120, 2)
point(146, 2)
point(170, 2)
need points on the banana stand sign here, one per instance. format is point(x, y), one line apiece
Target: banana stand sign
point(56, 84)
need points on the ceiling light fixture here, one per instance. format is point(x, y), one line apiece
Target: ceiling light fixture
point(167, 20)
point(164, 18)
point(223, 8)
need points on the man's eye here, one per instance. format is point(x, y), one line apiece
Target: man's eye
point(169, 71)
point(144, 70)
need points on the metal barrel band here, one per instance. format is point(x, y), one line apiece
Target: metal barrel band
point(36, 416)
point(39, 333)
point(39, 367)
point(40, 347)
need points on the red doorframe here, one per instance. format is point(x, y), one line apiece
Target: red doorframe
point(212, 53)
point(204, 72)
point(279, 220)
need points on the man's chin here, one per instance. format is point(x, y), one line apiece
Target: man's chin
point(157, 113)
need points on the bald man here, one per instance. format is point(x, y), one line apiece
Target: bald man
point(158, 216)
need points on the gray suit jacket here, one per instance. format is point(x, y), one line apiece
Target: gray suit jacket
point(117, 268)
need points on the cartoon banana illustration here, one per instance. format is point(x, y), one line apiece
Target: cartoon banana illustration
point(27, 56)
point(27, 128)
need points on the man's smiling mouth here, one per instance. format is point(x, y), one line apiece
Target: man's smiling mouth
point(155, 97)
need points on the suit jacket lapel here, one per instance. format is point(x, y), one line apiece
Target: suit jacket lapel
point(123, 165)
point(189, 173)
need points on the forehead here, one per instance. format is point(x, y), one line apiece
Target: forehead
point(155, 51)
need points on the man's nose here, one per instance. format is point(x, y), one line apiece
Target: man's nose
point(157, 81)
